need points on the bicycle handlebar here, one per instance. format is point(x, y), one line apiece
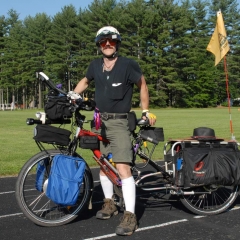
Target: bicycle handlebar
point(31, 121)
point(44, 78)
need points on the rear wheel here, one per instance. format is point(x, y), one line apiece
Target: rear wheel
point(33, 201)
point(210, 200)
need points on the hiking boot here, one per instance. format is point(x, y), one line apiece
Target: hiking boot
point(108, 209)
point(128, 224)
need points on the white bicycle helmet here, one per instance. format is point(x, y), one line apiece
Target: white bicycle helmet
point(107, 32)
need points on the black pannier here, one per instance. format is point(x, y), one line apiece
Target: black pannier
point(152, 134)
point(58, 108)
point(210, 163)
point(89, 142)
point(52, 135)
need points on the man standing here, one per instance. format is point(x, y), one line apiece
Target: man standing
point(114, 78)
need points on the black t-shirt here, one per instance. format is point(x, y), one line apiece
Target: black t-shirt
point(114, 89)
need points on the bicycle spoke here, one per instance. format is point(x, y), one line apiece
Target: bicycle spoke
point(37, 200)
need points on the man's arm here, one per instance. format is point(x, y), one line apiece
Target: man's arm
point(144, 97)
point(82, 85)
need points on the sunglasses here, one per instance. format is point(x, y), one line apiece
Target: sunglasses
point(112, 42)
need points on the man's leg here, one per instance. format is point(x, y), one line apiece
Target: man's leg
point(129, 222)
point(109, 208)
point(107, 185)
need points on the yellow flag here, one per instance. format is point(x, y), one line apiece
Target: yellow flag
point(218, 44)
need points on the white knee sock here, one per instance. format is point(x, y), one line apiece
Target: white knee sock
point(107, 186)
point(129, 194)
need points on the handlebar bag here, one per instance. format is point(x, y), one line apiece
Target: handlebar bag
point(57, 108)
point(65, 180)
point(52, 135)
point(211, 163)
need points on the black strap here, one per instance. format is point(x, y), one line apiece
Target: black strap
point(106, 116)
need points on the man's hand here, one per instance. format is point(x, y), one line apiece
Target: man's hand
point(74, 95)
point(150, 116)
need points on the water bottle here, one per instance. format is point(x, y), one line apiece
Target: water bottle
point(109, 157)
point(179, 176)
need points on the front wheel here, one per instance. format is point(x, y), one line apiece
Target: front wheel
point(210, 200)
point(31, 198)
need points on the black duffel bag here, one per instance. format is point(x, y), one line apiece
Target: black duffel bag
point(58, 108)
point(210, 163)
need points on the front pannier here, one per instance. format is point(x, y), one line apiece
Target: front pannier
point(41, 173)
point(52, 135)
point(65, 180)
point(210, 163)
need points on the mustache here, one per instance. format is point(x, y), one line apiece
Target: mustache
point(108, 47)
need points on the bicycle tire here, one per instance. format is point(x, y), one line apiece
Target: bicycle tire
point(36, 206)
point(217, 200)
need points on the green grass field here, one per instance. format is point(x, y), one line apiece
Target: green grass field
point(17, 145)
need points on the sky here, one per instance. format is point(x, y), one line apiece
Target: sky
point(31, 7)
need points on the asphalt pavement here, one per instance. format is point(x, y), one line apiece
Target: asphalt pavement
point(157, 220)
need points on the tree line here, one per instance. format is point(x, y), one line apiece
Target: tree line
point(167, 38)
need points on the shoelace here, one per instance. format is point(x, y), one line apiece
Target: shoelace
point(125, 218)
point(97, 119)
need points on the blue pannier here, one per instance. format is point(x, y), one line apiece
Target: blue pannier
point(66, 177)
point(41, 174)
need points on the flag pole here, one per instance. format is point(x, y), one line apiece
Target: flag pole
point(228, 97)
point(219, 46)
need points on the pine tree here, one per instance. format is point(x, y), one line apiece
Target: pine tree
point(167, 39)
point(61, 44)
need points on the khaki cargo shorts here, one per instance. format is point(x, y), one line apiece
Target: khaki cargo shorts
point(118, 134)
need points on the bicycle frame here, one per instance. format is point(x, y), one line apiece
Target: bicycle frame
point(108, 168)
point(101, 159)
